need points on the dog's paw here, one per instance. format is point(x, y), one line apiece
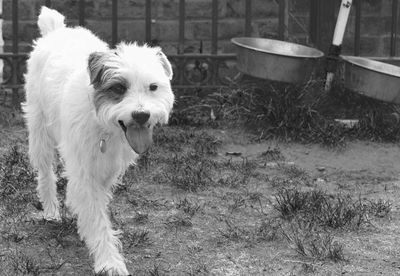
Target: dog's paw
point(51, 215)
point(42, 216)
point(117, 268)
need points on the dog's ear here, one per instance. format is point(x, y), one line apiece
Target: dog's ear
point(165, 63)
point(96, 67)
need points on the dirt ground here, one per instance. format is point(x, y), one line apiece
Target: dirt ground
point(206, 202)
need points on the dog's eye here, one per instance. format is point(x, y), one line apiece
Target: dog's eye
point(153, 87)
point(118, 88)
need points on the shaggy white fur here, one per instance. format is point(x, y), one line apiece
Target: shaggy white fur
point(94, 105)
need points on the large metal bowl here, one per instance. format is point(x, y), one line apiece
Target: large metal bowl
point(372, 78)
point(275, 60)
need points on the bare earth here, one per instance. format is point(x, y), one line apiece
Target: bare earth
point(227, 223)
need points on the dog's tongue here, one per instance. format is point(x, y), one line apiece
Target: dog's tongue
point(139, 138)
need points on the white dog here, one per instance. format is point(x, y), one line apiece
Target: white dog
point(94, 105)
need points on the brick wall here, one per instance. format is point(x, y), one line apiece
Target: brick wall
point(375, 29)
point(375, 25)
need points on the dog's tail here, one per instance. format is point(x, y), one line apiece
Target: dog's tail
point(50, 20)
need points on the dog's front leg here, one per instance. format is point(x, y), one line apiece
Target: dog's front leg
point(89, 200)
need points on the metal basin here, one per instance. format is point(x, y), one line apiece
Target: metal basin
point(372, 78)
point(275, 60)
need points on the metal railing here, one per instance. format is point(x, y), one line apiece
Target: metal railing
point(190, 70)
point(322, 12)
point(200, 70)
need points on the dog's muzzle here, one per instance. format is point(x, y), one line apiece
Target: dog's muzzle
point(138, 132)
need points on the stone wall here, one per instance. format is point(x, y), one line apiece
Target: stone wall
point(375, 25)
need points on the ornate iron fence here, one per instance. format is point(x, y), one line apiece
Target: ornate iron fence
point(205, 70)
point(190, 70)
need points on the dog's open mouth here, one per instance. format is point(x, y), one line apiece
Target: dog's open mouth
point(139, 138)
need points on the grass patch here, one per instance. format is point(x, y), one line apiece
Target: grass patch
point(302, 113)
point(10, 116)
point(236, 201)
point(62, 232)
point(233, 232)
point(293, 172)
point(23, 264)
point(16, 182)
point(235, 174)
point(333, 211)
point(188, 207)
point(135, 238)
point(206, 144)
point(177, 139)
point(178, 221)
point(320, 208)
point(155, 271)
point(315, 246)
point(188, 172)
point(379, 208)
point(272, 155)
point(268, 230)
point(141, 217)
point(197, 269)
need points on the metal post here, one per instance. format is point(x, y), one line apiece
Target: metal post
point(357, 37)
point(148, 21)
point(214, 27)
point(282, 16)
point(1, 41)
point(247, 28)
point(81, 13)
point(315, 30)
point(181, 26)
point(114, 22)
point(15, 50)
point(393, 36)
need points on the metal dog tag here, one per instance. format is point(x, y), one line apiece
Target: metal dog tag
point(103, 146)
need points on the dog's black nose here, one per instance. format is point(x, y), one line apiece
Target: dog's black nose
point(141, 117)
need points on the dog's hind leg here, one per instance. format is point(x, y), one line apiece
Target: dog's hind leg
point(41, 153)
